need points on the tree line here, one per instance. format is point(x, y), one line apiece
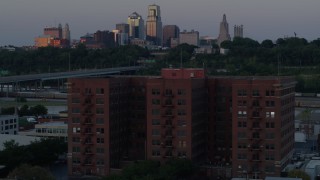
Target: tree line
point(292, 56)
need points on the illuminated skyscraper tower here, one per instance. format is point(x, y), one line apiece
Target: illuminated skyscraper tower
point(224, 31)
point(66, 32)
point(136, 26)
point(154, 25)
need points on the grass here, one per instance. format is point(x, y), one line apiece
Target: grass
point(6, 104)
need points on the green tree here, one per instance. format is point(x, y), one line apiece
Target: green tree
point(28, 172)
point(38, 110)
point(298, 174)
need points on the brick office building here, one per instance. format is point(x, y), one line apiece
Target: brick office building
point(181, 114)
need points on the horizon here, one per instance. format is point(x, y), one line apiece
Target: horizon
point(23, 21)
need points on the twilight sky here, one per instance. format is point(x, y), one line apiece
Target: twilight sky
point(23, 20)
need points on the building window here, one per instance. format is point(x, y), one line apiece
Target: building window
point(75, 110)
point(270, 93)
point(181, 133)
point(155, 101)
point(76, 139)
point(155, 111)
point(76, 130)
point(155, 152)
point(181, 112)
point(242, 103)
point(182, 144)
point(181, 92)
point(269, 124)
point(270, 114)
point(255, 92)
point(75, 120)
point(242, 92)
point(256, 114)
point(156, 142)
point(76, 149)
point(75, 100)
point(242, 124)
point(242, 156)
point(155, 121)
point(242, 114)
point(100, 140)
point(155, 132)
point(255, 135)
point(168, 92)
point(269, 135)
point(155, 91)
point(100, 121)
point(269, 156)
point(270, 146)
point(99, 91)
point(182, 123)
point(242, 135)
point(100, 150)
point(100, 130)
point(270, 169)
point(100, 111)
point(76, 160)
point(100, 162)
point(181, 102)
point(99, 101)
point(242, 146)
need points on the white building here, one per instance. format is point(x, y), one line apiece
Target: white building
point(8, 124)
point(49, 129)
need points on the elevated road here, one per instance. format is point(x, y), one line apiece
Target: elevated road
point(65, 75)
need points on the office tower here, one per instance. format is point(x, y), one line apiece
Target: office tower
point(154, 25)
point(244, 121)
point(224, 31)
point(66, 32)
point(191, 38)
point(169, 32)
point(238, 31)
point(263, 126)
point(55, 32)
point(104, 39)
point(123, 28)
point(136, 26)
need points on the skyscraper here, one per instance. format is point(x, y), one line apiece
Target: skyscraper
point(224, 31)
point(123, 28)
point(136, 26)
point(154, 25)
point(170, 31)
point(238, 31)
point(191, 38)
point(66, 32)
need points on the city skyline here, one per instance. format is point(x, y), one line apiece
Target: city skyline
point(22, 21)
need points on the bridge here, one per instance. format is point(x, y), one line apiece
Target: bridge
point(37, 79)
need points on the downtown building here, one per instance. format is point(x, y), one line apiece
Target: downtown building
point(154, 25)
point(243, 121)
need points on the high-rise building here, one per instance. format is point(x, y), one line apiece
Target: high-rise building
point(154, 25)
point(191, 38)
point(136, 26)
point(238, 31)
point(245, 121)
point(170, 32)
point(123, 28)
point(224, 31)
point(263, 125)
point(66, 32)
point(55, 32)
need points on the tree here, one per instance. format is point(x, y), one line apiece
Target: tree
point(267, 43)
point(298, 174)
point(38, 110)
point(29, 172)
